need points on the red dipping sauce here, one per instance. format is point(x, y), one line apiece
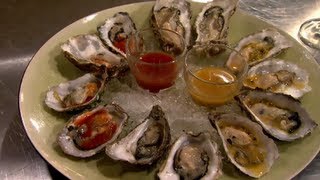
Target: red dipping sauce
point(100, 128)
point(121, 45)
point(155, 71)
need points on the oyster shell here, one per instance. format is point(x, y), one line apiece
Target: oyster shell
point(192, 157)
point(75, 94)
point(115, 31)
point(88, 53)
point(144, 144)
point(280, 115)
point(246, 146)
point(174, 15)
point(89, 132)
point(260, 46)
point(212, 23)
point(278, 76)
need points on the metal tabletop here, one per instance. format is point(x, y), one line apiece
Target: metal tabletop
point(26, 25)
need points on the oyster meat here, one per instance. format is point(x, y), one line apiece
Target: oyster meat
point(174, 15)
point(144, 144)
point(89, 132)
point(115, 31)
point(212, 23)
point(246, 146)
point(260, 46)
point(75, 94)
point(192, 157)
point(280, 115)
point(278, 76)
point(88, 53)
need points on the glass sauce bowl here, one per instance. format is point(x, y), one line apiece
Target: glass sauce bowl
point(214, 77)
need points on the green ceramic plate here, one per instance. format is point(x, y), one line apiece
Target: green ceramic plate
point(48, 67)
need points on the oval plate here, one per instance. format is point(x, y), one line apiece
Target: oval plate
point(48, 67)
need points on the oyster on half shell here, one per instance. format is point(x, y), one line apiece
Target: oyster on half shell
point(260, 46)
point(251, 151)
point(192, 157)
point(173, 15)
point(88, 53)
point(280, 115)
point(75, 94)
point(278, 76)
point(115, 31)
point(212, 23)
point(89, 132)
point(146, 143)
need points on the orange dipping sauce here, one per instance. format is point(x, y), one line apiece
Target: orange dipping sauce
point(217, 86)
point(155, 71)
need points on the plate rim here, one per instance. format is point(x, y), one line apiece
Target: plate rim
point(69, 175)
point(25, 72)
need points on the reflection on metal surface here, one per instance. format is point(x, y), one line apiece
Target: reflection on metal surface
point(313, 12)
point(15, 60)
point(285, 14)
point(89, 18)
point(309, 33)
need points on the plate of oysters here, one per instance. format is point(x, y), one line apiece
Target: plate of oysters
point(85, 113)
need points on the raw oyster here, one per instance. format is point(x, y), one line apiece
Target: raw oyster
point(75, 94)
point(278, 76)
point(246, 146)
point(212, 23)
point(89, 132)
point(144, 144)
point(260, 46)
point(192, 157)
point(173, 15)
point(115, 31)
point(88, 53)
point(280, 115)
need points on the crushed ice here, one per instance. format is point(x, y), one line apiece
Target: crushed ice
point(182, 113)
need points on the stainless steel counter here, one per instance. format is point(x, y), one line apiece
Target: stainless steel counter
point(26, 25)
